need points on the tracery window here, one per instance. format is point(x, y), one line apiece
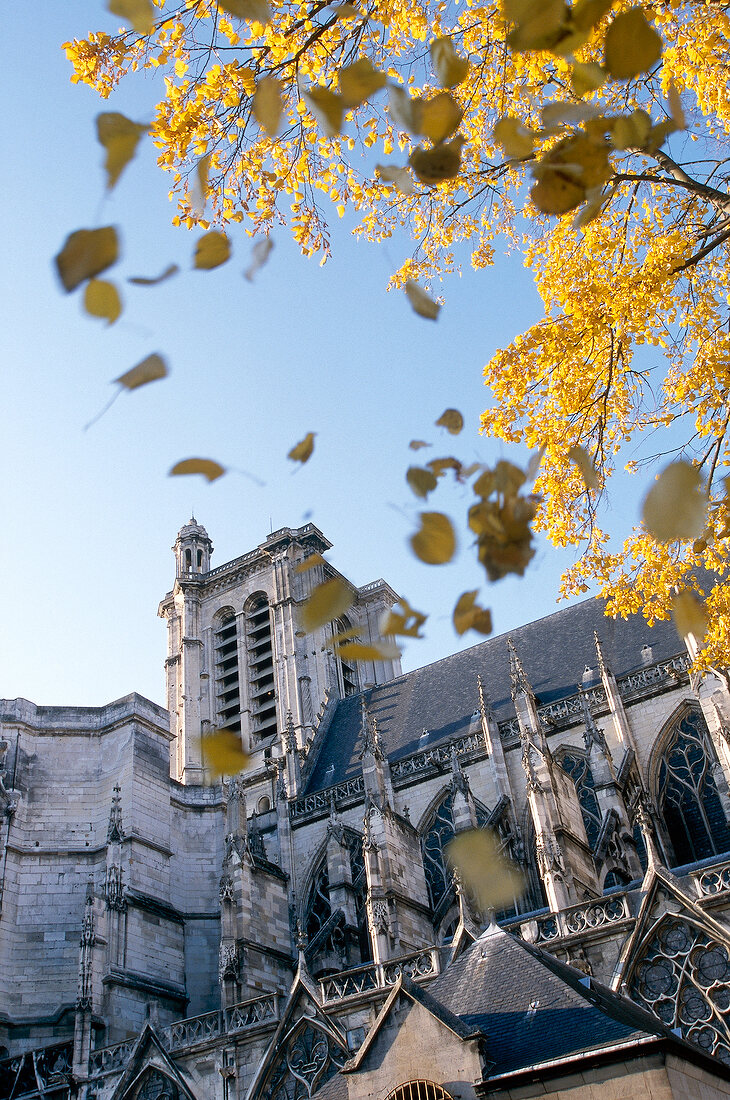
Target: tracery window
point(156, 1086)
point(262, 696)
point(307, 1058)
point(688, 798)
point(318, 910)
point(578, 768)
point(439, 879)
point(683, 977)
point(418, 1090)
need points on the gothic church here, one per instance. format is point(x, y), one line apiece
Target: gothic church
point(296, 932)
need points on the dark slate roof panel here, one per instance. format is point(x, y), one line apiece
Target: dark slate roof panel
point(442, 697)
point(531, 1007)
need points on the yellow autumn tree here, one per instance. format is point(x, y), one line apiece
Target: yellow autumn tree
point(592, 136)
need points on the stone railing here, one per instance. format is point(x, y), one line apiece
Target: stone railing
point(578, 918)
point(439, 755)
point(653, 674)
point(418, 966)
point(196, 1029)
point(319, 801)
point(37, 1072)
point(715, 880)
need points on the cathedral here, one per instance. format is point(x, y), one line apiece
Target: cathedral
point(296, 932)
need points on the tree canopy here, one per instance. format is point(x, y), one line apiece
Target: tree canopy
point(592, 138)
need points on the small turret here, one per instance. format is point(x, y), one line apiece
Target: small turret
point(193, 549)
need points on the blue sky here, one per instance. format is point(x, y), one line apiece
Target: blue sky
point(91, 515)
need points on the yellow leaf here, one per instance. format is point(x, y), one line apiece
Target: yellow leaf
point(417, 444)
point(407, 622)
point(539, 23)
point(468, 615)
point(631, 131)
point(421, 481)
point(259, 255)
point(676, 506)
point(581, 458)
point(327, 108)
point(346, 635)
point(202, 169)
point(223, 752)
point(309, 563)
point(208, 467)
point(326, 602)
point(690, 617)
point(585, 14)
point(143, 280)
point(586, 77)
point(452, 420)
point(493, 880)
point(149, 370)
point(420, 301)
point(392, 173)
point(267, 105)
point(675, 106)
point(86, 253)
point(302, 452)
point(573, 167)
point(436, 165)
point(138, 13)
point(212, 250)
point(406, 111)
point(375, 651)
point(359, 81)
point(256, 11)
point(516, 140)
point(101, 299)
point(119, 136)
point(448, 66)
point(632, 46)
point(435, 542)
point(440, 117)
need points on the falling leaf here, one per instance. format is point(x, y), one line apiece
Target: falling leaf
point(119, 136)
point(212, 250)
point(452, 420)
point(407, 622)
point(359, 81)
point(143, 280)
point(255, 11)
point(327, 108)
point(420, 301)
point(302, 452)
point(101, 299)
point(435, 542)
point(346, 635)
point(439, 466)
point(585, 14)
point(208, 467)
point(433, 166)
point(393, 173)
point(202, 168)
point(406, 111)
point(138, 13)
point(267, 106)
point(563, 112)
point(448, 66)
point(309, 563)
point(149, 370)
point(690, 617)
point(675, 106)
point(421, 481)
point(468, 615)
point(676, 506)
point(417, 444)
point(259, 255)
point(493, 880)
point(86, 253)
point(586, 77)
point(440, 117)
point(326, 602)
point(631, 131)
point(584, 462)
point(514, 137)
point(223, 752)
point(572, 168)
point(539, 23)
point(631, 46)
point(375, 651)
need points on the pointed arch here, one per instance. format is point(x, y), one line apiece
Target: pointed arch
point(154, 1085)
point(325, 927)
point(574, 763)
point(683, 768)
point(306, 1057)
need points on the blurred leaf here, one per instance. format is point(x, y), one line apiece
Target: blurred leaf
point(417, 444)
point(514, 137)
point(149, 370)
point(468, 615)
point(212, 250)
point(690, 616)
point(433, 166)
point(400, 177)
point(435, 542)
point(676, 507)
point(586, 77)
point(327, 108)
point(143, 280)
point(420, 301)
point(421, 481)
point(208, 467)
point(119, 136)
point(448, 66)
point(584, 462)
point(493, 880)
point(405, 110)
point(101, 299)
point(223, 752)
point(259, 256)
point(675, 106)
point(452, 420)
point(539, 24)
point(359, 81)
point(631, 46)
point(267, 105)
point(309, 563)
point(86, 253)
point(138, 13)
point(407, 622)
point(255, 11)
point(375, 651)
point(302, 452)
point(326, 602)
point(440, 117)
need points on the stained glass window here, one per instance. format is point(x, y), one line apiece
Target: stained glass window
point(577, 767)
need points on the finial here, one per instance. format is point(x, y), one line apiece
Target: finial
point(591, 735)
point(458, 779)
point(115, 832)
point(281, 793)
point(603, 667)
point(646, 825)
point(485, 706)
point(369, 732)
point(520, 683)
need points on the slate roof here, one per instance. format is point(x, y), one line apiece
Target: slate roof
point(443, 696)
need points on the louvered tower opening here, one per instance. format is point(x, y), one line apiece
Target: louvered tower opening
point(227, 683)
point(261, 668)
point(348, 670)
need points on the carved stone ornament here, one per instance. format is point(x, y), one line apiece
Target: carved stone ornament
point(225, 889)
point(549, 857)
point(229, 963)
point(114, 888)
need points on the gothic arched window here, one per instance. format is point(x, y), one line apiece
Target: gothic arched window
point(156, 1086)
point(577, 767)
point(687, 795)
point(262, 695)
point(439, 879)
point(325, 933)
point(306, 1058)
point(418, 1090)
point(683, 977)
